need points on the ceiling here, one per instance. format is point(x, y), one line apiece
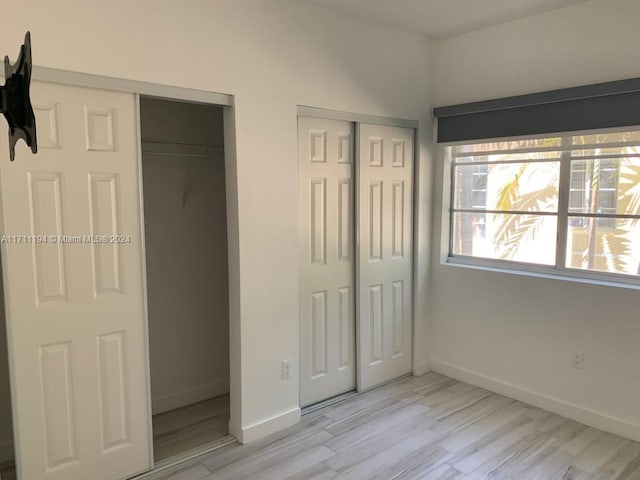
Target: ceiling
point(439, 19)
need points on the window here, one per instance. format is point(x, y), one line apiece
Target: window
point(567, 203)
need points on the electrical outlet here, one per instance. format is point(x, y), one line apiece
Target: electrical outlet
point(578, 360)
point(285, 369)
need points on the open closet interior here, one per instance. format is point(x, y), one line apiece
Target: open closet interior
point(7, 457)
point(183, 176)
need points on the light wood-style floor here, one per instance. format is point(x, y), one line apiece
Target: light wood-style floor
point(429, 428)
point(182, 429)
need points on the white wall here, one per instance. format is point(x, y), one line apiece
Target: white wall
point(186, 249)
point(6, 438)
point(271, 55)
point(591, 42)
point(514, 333)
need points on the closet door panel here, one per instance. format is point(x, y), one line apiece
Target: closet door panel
point(384, 253)
point(73, 287)
point(327, 320)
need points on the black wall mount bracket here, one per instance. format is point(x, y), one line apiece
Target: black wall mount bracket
point(15, 102)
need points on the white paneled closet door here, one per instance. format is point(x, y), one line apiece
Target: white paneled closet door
point(384, 253)
point(73, 284)
point(327, 310)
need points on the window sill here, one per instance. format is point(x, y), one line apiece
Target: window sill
point(544, 271)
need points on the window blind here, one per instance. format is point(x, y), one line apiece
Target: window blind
point(598, 106)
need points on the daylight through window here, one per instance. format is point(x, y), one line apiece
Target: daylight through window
point(570, 202)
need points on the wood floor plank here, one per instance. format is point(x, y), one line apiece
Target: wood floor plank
point(582, 441)
point(632, 470)
point(361, 402)
point(269, 457)
point(552, 463)
point(457, 403)
point(475, 431)
point(434, 466)
point(617, 464)
point(510, 458)
point(441, 396)
point(374, 427)
point(598, 454)
point(354, 454)
point(443, 472)
point(472, 413)
point(294, 465)
point(478, 454)
point(364, 416)
point(320, 471)
point(194, 472)
point(389, 462)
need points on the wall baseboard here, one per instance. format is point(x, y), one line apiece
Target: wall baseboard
point(187, 397)
point(421, 368)
point(269, 425)
point(570, 410)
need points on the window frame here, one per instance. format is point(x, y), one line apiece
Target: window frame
point(558, 270)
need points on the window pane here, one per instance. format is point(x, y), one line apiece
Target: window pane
point(531, 187)
point(509, 157)
point(522, 238)
point(605, 186)
point(609, 137)
point(604, 245)
point(592, 152)
point(507, 145)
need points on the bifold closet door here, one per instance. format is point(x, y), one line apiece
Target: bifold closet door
point(73, 285)
point(384, 253)
point(327, 320)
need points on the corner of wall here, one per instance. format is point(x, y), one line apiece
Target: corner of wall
point(421, 368)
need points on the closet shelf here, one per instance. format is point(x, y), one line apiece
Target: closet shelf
point(168, 149)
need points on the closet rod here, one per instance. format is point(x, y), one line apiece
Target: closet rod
point(178, 154)
point(172, 149)
point(179, 144)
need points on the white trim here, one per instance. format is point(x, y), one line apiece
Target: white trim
point(236, 394)
point(269, 425)
point(356, 257)
point(564, 194)
point(87, 80)
point(189, 396)
point(143, 266)
point(544, 271)
point(581, 414)
point(416, 297)
point(304, 111)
